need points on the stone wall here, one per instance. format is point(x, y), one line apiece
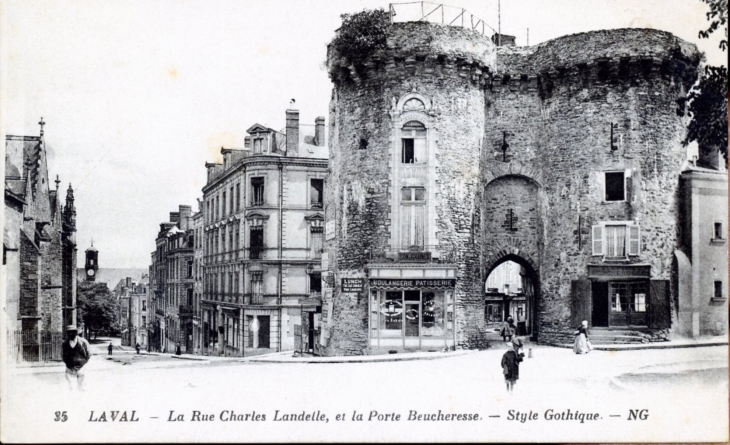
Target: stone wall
point(554, 105)
point(557, 102)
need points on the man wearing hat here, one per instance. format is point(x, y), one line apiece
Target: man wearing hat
point(75, 355)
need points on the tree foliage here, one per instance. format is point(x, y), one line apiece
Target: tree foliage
point(361, 35)
point(98, 309)
point(717, 18)
point(706, 102)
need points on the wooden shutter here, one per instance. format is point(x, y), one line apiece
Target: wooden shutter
point(419, 151)
point(634, 240)
point(597, 240)
point(659, 312)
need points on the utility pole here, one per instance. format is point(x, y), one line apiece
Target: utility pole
point(499, 22)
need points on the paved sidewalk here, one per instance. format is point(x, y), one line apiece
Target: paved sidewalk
point(288, 357)
point(673, 344)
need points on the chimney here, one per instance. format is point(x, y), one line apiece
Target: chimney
point(174, 217)
point(185, 213)
point(247, 143)
point(319, 131)
point(292, 131)
point(505, 40)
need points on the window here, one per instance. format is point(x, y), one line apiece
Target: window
point(413, 217)
point(718, 231)
point(257, 144)
point(316, 242)
point(628, 297)
point(190, 269)
point(256, 236)
point(315, 282)
point(257, 280)
point(610, 240)
point(144, 321)
point(316, 187)
point(615, 186)
point(144, 305)
point(224, 204)
point(718, 290)
point(413, 150)
point(257, 191)
point(238, 197)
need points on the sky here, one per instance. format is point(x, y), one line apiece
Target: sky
point(138, 95)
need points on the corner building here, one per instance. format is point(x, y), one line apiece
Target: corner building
point(450, 156)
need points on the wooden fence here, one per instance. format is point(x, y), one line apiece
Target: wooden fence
point(33, 346)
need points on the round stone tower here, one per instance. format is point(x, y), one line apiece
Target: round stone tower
point(406, 131)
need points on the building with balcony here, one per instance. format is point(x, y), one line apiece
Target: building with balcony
point(262, 239)
point(172, 284)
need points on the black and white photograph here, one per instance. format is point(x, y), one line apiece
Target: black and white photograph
point(364, 221)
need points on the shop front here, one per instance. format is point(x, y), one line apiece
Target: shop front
point(410, 313)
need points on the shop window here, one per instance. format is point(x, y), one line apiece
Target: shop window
point(257, 191)
point(718, 290)
point(413, 217)
point(616, 240)
point(628, 297)
point(615, 183)
point(391, 314)
point(316, 188)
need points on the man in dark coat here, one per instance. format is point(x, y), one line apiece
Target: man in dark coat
point(75, 354)
point(109, 348)
point(511, 366)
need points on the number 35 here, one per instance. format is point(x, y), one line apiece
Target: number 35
point(61, 416)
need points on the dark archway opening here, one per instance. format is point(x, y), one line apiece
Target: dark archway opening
point(511, 290)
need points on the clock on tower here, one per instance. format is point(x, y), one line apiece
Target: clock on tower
point(92, 262)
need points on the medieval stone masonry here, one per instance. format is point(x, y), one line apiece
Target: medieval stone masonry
point(39, 252)
point(450, 155)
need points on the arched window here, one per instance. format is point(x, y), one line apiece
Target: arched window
point(413, 137)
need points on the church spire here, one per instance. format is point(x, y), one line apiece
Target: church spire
point(69, 210)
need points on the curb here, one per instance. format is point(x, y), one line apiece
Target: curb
point(644, 346)
point(375, 359)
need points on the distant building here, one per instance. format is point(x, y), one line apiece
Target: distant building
point(171, 275)
point(198, 264)
point(132, 297)
point(39, 252)
point(262, 240)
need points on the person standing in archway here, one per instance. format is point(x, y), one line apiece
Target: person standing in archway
point(581, 345)
point(508, 329)
point(511, 366)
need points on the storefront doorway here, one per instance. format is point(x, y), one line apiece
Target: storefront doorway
point(412, 318)
point(619, 303)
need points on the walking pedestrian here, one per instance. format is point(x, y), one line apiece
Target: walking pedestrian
point(177, 349)
point(508, 329)
point(137, 347)
point(511, 366)
point(75, 354)
point(109, 349)
point(582, 345)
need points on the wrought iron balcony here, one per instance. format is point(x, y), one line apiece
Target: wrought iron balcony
point(256, 298)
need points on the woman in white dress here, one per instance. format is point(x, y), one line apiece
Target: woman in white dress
point(581, 344)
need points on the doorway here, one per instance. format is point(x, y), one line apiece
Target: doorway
point(599, 311)
point(510, 292)
point(264, 331)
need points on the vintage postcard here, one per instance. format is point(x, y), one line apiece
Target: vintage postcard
point(363, 221)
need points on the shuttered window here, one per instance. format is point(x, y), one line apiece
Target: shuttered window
point(616, 240)
point(597, 240)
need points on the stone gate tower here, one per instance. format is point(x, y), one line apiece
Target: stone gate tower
point(450, 156)
point(406, 137)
